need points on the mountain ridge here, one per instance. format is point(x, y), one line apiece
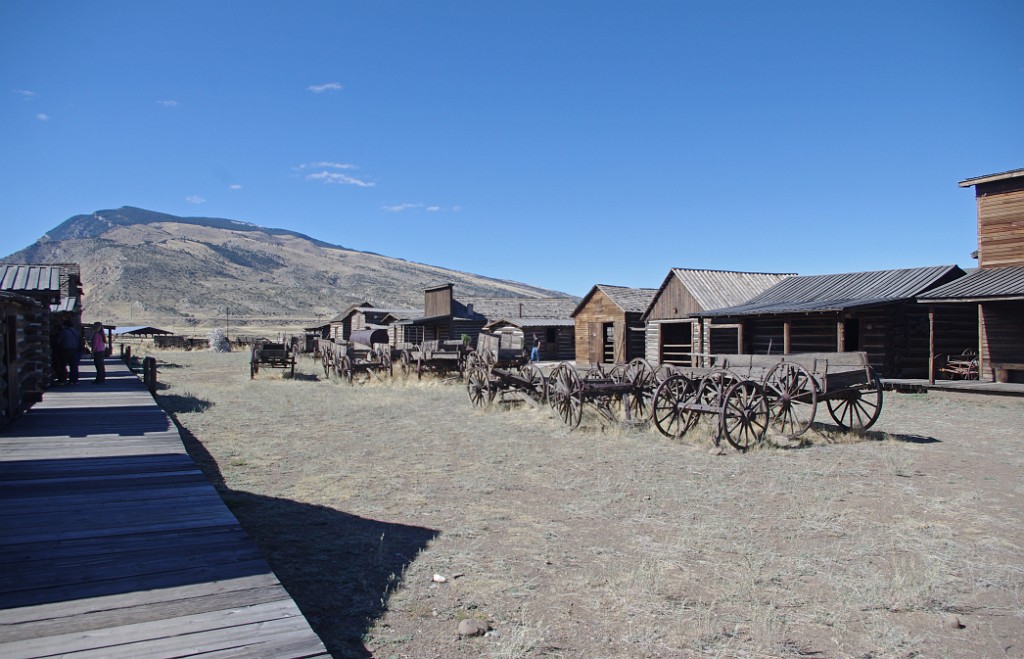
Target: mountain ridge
point(146, 267)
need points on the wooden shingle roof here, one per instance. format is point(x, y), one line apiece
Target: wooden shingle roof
point(815, 293)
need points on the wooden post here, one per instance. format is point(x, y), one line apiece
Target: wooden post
point(982, 340)
point(786, 328)
point(840, 336)
point(739, 338)
point(931, 344)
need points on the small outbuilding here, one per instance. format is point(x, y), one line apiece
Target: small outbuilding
point(608, 324)
point(674, 333)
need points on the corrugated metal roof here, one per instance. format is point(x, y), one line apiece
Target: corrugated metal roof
point(66, 305)
point(713, 289)
point(30, 278)
point(984, 283)
point(811, 293)
point(533, 322)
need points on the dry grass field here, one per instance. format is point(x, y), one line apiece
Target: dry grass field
point(612, 542)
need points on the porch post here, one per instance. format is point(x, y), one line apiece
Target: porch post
point(931, 344)
point(785, 336)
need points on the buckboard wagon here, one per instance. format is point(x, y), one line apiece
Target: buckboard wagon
point(751, 393)
point(271, 355)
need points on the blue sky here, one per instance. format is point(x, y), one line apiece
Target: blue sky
point(558, 143)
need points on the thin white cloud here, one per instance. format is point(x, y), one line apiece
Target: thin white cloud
point(431, 208)
point(235, 186)
point(168, 103)
point(338, 177)
point(398, 208)
point(326, 87)
point(324, 163)
point(195, 199)
point(25, 94)
point(42, 116)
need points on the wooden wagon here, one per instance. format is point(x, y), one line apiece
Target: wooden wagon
point(366, 352)
point(444, 357)
point(272, 355)
point(623, 393)
point(748, 394)
point(499, 369)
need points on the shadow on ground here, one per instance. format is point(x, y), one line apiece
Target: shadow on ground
point(339, 568)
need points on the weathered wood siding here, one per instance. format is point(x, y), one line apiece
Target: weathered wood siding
point(674, 302)
point(557, 343)
point(671, 342)
point(598, 311)
point(437, 301)
point(1000, 224)
point(1003, 339)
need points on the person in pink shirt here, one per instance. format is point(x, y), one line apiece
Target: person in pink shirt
point(99, 352)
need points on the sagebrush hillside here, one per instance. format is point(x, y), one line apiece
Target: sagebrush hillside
point(143, 267)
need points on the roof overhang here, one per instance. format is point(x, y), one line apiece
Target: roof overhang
point(991, 178)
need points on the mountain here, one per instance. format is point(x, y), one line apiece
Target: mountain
point(144, 267)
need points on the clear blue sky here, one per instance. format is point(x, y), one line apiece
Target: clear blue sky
point(553, 142)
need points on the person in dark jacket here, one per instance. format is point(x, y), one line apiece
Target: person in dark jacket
point(69, 344)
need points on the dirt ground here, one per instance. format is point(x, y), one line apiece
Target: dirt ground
point(612, 542)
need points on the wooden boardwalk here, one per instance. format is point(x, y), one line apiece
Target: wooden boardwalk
point(113, 544)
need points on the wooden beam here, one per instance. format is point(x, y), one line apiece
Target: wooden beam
point(840, 335)
point(786, 327)
point(931, 344)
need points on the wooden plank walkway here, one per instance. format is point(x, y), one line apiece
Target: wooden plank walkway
point(962, 386)
point(113, 544)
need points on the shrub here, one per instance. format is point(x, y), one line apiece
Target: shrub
point(219, 340)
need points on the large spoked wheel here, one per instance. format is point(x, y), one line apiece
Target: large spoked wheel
point(538, 384)
point(325, 360)
point(640, 374)
point(478, 385)
point(858, 409)
point(792, 399)
point(344, 368)
point(669, 410)
point(405, 363)
point(566, 395)
point(664, 372)
point(386, 364)
point(744, 417)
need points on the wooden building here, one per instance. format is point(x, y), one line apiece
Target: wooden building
point(363, 316)
point(58, 290)
point(995, 291)
point(25, 362)
point(447, 318)
point(608, 324)
point(876, 312)
point(674, 334)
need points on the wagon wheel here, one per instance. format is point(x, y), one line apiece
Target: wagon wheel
point(293, 364)
point(538, 384)
point(664, 372)
point(715, 384)
point(744, 417)
point(344, 368)
point(478, 385)
point(640, 374)
point(405, 363)
point(419, 366)
point(254, 368)
point(472, 359)
point(792, 398)
point(858, 409)
point(325, 359)
point(972, 370)
point(566, 395)
point(596, 372)
point(669, 410)
point(386, 364)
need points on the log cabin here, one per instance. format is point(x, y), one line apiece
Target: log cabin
point(876, 312)
point(25, 362)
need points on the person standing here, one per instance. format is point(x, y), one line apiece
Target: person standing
point(69, 345)
point(99, 352)
point(535, 351)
